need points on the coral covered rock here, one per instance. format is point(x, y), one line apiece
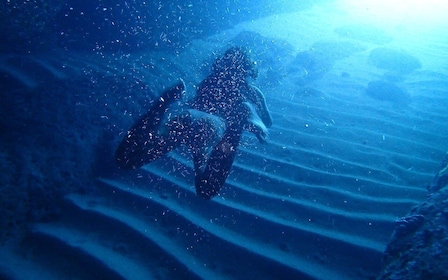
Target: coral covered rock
point(417, 249)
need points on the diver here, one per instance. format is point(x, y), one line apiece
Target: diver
point(210, 125)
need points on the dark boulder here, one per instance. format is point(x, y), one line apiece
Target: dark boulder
point(398, 61)
point(387, 91)
point(314, 63)
point(364, 33)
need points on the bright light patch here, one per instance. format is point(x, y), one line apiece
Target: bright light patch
point(399, 12)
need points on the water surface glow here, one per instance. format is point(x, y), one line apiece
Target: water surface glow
point(411, 13)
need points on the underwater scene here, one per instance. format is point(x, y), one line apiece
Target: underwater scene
point(269, 139)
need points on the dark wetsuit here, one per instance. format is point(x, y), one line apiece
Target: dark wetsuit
point(143, 143)
point(224, 94)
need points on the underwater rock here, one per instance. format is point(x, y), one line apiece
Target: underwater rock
point(309, 66)
point(420, 253)
point(394, 60)
point(312, 64)
point(408, 224)
point(28, 26)
point(441, 179)
point(345, 74)
point(364, 33)
point(58, 130)
point(270, 54)
point(417, 249)
point(265, 51)
point(136, 25)
point(387, 91)
point(336, 50)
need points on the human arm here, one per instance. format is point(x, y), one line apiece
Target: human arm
point(256, 97)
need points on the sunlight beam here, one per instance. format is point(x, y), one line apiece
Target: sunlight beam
point(399, 12)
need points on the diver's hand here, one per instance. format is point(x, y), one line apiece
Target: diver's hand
point(256, 97)
point(255, 124)
point(262, 137)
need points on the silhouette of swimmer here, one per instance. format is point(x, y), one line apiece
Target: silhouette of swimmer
point(210, 125)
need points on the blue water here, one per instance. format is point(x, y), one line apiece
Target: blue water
point(358, 100)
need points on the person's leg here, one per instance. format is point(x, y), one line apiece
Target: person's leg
point(205, 132)
point(209, 181)
point(142, 143)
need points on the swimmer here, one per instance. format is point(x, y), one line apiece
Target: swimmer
point(211, 124)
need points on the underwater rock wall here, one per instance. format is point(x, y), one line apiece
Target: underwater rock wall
point(30, 26)
point(58, 119)
point(48, 150)
point(417, 249)
point(27, 25)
